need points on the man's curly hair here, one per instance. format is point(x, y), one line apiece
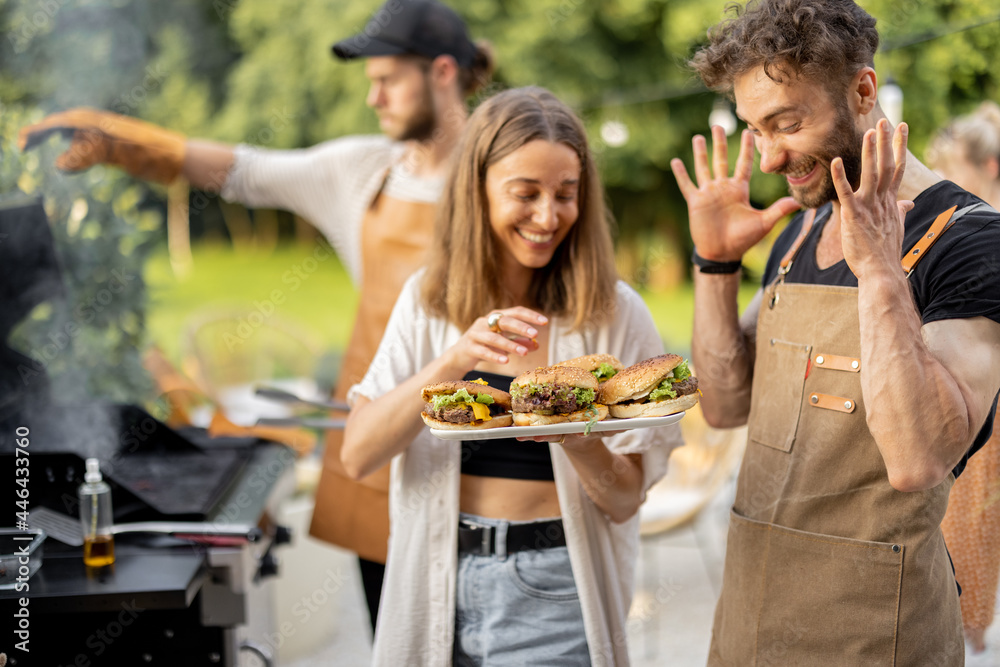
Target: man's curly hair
point(820, 40)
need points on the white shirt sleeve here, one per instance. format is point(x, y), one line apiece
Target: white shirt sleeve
point(330, 185)
point(305, 180)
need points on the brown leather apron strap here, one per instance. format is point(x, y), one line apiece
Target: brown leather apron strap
point(838, 363)
point(828, 402)
point(381, 186)
point(920, 248)
point(786, 261)
point(941, 224)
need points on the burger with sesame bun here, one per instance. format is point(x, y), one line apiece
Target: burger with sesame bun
point(655, 387)
point(459, 405)
point(554, 395)
point(601, 366)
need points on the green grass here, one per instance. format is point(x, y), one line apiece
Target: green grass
point(321, 302)
point(277, 285)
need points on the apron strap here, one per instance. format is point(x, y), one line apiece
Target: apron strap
point(942, 223)
point(381, 186)
point(786, 261)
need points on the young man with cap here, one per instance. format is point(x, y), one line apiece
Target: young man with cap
point(371, 196)
point(866, 381)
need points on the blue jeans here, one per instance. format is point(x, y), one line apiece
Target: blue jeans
point(521, 609)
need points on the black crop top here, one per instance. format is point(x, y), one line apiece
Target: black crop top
point(506, 457)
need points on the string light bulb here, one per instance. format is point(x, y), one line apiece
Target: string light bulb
point(722, 115)
point(614, 133)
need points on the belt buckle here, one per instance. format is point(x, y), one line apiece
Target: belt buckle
point(486, 543)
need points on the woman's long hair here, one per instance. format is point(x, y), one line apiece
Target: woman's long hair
point(463, 279)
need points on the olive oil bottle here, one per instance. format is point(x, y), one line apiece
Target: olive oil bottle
point(96, 518)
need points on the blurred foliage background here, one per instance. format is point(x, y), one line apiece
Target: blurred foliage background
point(260, 71)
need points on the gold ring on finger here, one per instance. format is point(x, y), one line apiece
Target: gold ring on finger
point(494, 321)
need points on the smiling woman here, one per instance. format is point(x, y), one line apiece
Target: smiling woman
point(525, 173)
point(532, 195)
point(521, 275)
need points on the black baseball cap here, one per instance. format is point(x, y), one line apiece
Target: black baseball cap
point(419, 27)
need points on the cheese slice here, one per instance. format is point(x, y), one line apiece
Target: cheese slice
point(480, 411)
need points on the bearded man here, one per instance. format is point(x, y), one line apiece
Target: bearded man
point(866, 368)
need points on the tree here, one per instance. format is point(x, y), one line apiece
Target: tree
point(260, 71)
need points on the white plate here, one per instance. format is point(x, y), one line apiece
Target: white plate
point(610, 424)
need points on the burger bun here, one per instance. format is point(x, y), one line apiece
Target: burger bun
point(565, 375)
point(636, 381)
point(662, 408)
point(532, 419)
point(496, 422)
point(499, 396)
point(591, 362)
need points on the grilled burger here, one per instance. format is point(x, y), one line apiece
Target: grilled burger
point(553, 395)
point(461, 405)
point(655, 387)
point(601, 366)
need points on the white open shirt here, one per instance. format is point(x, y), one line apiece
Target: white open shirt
point(417, 612)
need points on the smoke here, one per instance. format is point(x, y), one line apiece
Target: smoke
point(76, 348)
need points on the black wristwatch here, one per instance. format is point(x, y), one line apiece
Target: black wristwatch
point(709, 266)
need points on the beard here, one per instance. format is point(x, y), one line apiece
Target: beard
point(420, 126)
point(844, 141)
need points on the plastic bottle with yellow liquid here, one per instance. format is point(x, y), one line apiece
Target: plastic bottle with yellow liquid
point(96, 518)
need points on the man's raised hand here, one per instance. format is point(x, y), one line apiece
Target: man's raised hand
point(871, 217)
point(723, 223)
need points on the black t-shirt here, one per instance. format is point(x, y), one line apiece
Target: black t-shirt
point(958, 278)
point(505, 457)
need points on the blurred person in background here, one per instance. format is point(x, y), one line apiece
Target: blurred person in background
point(505, 552)
point(867, 368)
point(372, 197)
point(967, 152)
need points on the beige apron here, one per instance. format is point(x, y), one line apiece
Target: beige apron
point(395, 236)
point(826, 563)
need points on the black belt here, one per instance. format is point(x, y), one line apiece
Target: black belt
point(480, 540)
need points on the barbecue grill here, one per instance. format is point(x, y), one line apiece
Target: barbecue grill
point(165, 601)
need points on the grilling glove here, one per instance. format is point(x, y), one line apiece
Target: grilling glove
point(144, 150)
